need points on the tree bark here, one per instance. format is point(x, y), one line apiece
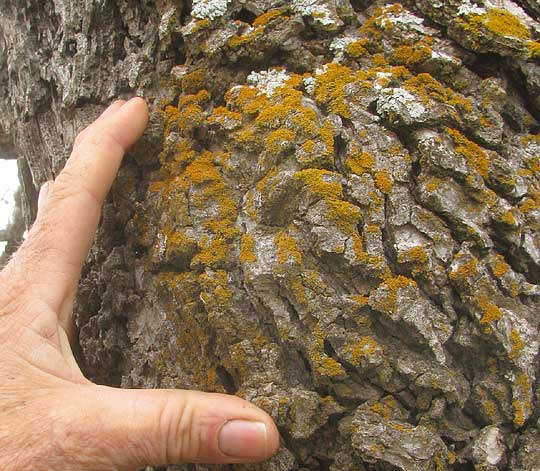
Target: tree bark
point(334, 213)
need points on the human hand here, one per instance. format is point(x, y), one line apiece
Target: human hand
point(51, 417)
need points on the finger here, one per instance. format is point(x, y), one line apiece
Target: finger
point(43, 197)
point(138, 428)
point(109, 111)
point(59, 241)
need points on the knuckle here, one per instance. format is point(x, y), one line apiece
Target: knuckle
point(179, 431)
point(71, 184)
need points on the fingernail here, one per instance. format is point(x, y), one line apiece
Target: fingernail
point(43, 195)
point(244, 439)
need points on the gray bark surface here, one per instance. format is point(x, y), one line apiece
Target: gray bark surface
point(334, 213)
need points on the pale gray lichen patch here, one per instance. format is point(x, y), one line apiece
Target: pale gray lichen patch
point(314, 8)
point(267, 81)
point(209, 9)
point(397, 101)
point(468, 8)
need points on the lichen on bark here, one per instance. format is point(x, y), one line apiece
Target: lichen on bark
point(334, 213)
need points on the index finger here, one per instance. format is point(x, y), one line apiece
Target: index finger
point(63, 233)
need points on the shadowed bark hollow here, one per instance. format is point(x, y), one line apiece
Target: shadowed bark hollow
point(334, 213)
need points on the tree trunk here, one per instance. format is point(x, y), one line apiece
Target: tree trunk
point(334, 213)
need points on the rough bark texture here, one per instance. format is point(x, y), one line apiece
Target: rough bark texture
point(335, 213)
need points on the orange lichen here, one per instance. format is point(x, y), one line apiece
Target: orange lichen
point(268, 16)
point(428, 88)
point(416, 255)
point(508, 218)
point(357, 48)
point(433, 184)
point(280, 140)
point(246, 99)
point(247, 249)
point(476, 157)
point(322, 363)
point(359, 299)
point(359, 162)
point(246, 39)
point(194, 81)
point(498, 22)
point(534, 49)
point(287, 248)
point(330, 88)
point(202, 170)
point(345, 215)
point(199, 98)
point(326, 134)
point(519, 413)
point(383, 181)
point(317, 182)
point(499, 266)
point(490, 312)
point(221, 115)
point(358, 249)
point(215, 289)
point(465, 270)
point(190, 117)
point(517, 344)
point(391, 287)
point(491, 408)
point(299, 291)
point(411, 55)
point(364, 348)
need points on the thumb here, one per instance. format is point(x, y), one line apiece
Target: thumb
point(132, 429)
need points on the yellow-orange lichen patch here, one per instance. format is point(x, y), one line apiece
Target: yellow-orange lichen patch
point(279, 141)
point(216, 291)
point(330, 88)
point(499, 266)
point(364, 348)
point(322, 363)
point(517, 344)
point(246, 99)
point(357, 48)
point(287, 248)
point(417, 256)
point(247, 249)
point(498, 22)
point(391, 287)
point(203, 170)
point(534, 49)
point(383, 181)
point(508, 218)
point(476, 157)
point(490, 312)
point(194, 81)
point(267, 17)
point(411, 54)
point(345, 215)
point(221, 115)
point(319, 183)
point(428, 88)
point(359, 162)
